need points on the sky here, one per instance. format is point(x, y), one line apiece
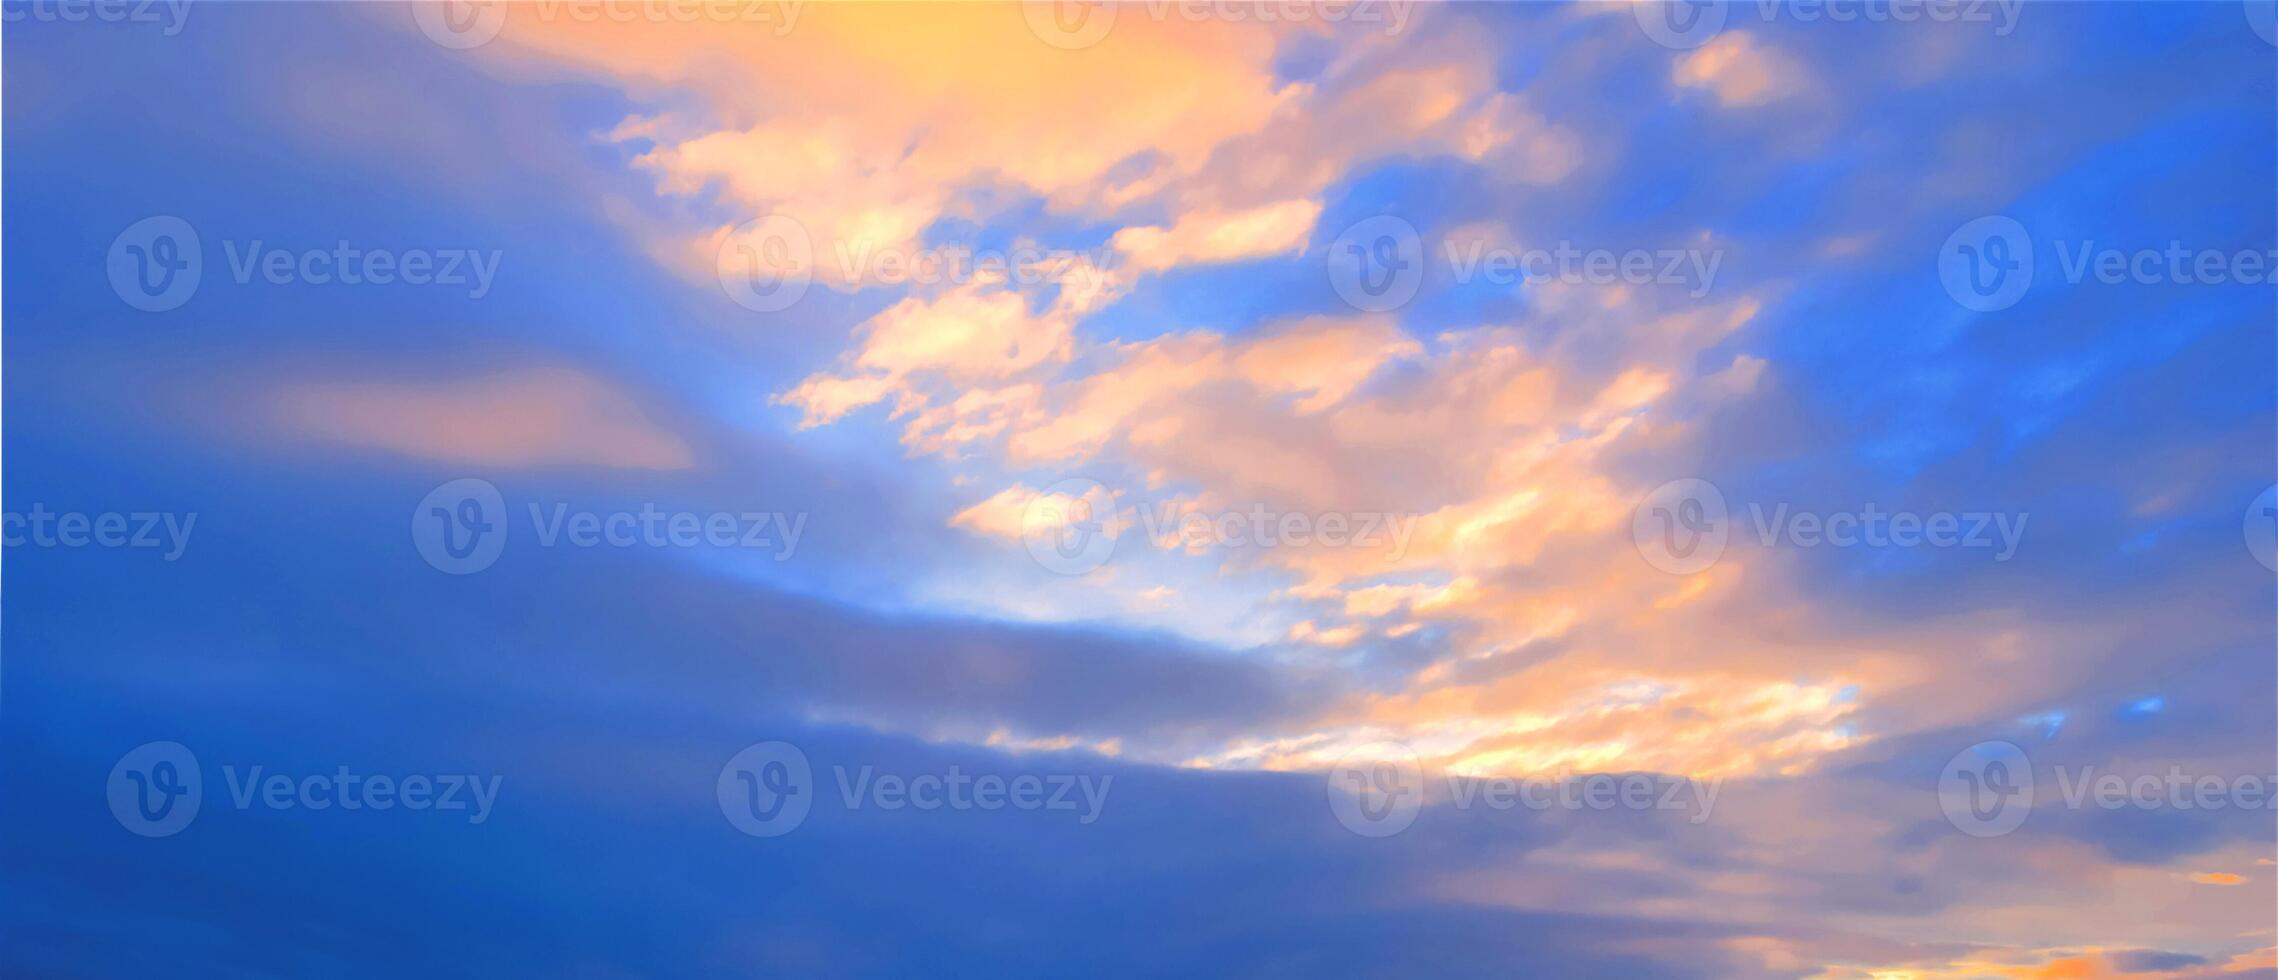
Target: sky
point(765, 489)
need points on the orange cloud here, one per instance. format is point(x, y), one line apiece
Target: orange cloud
point(1740, 71)
point(526, 417)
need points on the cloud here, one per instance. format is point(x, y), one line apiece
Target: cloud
point(2151, 961)
point(1520, 633)
point(518, 418)
point(865, 125)
point(1203, 237)
point(1016, 511)
point(1740, 71)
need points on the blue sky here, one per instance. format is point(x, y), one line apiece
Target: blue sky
point(1383, 541)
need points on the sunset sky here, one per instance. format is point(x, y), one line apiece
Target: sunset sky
point(1222, 400)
